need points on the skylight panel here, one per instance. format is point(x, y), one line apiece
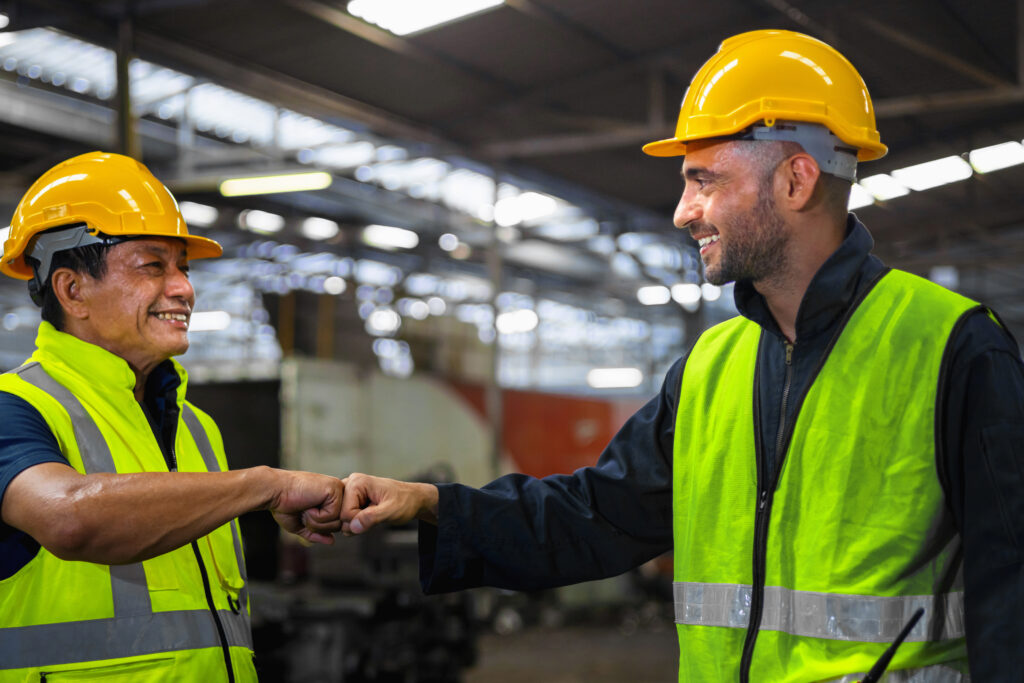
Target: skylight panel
point(405, 17)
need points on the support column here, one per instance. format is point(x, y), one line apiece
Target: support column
point(127, 138)
point(493, 398)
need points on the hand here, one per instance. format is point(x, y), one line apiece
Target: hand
point(308, 505)
point(370, 501)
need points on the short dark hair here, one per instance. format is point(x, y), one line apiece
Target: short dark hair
point(90, 259)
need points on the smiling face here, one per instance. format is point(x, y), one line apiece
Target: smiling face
point(140, 308)
point(729, 209)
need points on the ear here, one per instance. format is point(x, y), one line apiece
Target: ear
point(69, 287)
point(800, 175)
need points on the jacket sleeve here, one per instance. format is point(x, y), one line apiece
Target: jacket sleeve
point(523, 533)
point(984, 466)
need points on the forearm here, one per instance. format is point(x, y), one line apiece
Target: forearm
point(120, 518)
point(132, 517)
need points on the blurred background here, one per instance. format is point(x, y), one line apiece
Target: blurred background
point(446, 257)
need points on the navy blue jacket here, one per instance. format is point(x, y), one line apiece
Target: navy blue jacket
point(524, 533)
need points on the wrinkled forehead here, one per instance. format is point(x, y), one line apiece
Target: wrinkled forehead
point(165, 248)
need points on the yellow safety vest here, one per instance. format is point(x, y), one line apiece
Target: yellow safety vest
point(148, 621)
point(831, 558)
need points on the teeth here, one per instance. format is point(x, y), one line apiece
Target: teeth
point(172, 316)
point(705, 241)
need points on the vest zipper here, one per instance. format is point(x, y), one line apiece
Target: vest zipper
point(767, 493)
point(763, 513)
point(172, 414)
point(785, 401)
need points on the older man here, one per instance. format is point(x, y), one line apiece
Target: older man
point(119, 555)
point(844, 453)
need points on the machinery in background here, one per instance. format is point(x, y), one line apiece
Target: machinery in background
point(354, 611)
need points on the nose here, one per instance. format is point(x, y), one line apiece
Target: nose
point(688, 209)
point(179, 286)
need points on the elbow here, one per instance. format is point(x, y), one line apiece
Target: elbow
point(65, 526)
point(67, 536)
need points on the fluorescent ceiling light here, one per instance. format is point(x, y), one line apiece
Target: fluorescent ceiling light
point(382, 322)
point(262, 222)
point(198, 215)
point(614, 378)
point(859, 196)
point(710, 292)
point(514, 322)
point(389, 237)
point(209, 321)
point(269, 184)
point(403, 17)
point(686, 293)
point(523, 208)
point(934, 173)
point(884, 186)
point(997, 156)
point(316, 228)
point(334, 285)
point(653, 295)
point(448, 242)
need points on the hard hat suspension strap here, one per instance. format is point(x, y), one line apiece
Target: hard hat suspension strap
point(832, 154)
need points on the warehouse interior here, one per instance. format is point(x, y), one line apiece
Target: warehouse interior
point(451, 260)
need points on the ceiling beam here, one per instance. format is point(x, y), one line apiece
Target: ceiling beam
point(935, 54)
point(912, 105)
point(281, 89)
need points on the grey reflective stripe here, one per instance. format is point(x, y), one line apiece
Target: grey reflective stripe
point(835, 616)
point(86, 641)
point(129, 590)
point(202, 440)
point(91, 444)
point(127, 581)
point(200, 437)
point(927, 674)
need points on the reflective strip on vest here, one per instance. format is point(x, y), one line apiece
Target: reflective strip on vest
point(134, 629)
point(927, 674)
point(91, 444)
point(23, 647)
point(833, 616)
point(202, 440)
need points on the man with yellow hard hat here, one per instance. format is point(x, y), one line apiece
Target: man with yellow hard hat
point(120, 557)
point(848, 451)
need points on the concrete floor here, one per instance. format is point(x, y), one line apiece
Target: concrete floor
point(578, 654)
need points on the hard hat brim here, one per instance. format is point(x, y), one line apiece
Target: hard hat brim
point(671, 147)
point(201, 247)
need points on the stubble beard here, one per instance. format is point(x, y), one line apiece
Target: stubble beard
point(757, 245)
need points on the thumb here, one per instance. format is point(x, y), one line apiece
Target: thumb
point(365, 520)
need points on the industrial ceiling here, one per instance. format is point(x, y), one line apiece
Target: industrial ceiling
point(562, 93)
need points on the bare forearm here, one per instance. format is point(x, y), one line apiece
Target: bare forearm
point(130, 517)
point(118, 518)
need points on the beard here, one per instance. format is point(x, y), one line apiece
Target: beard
point(756, 248)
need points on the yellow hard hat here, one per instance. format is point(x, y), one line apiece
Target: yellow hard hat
point(111, 195)
point(774, 76)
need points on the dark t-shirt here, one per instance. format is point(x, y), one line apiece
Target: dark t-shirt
point(25, 441)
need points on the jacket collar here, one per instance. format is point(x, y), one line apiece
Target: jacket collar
point(832, 290)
